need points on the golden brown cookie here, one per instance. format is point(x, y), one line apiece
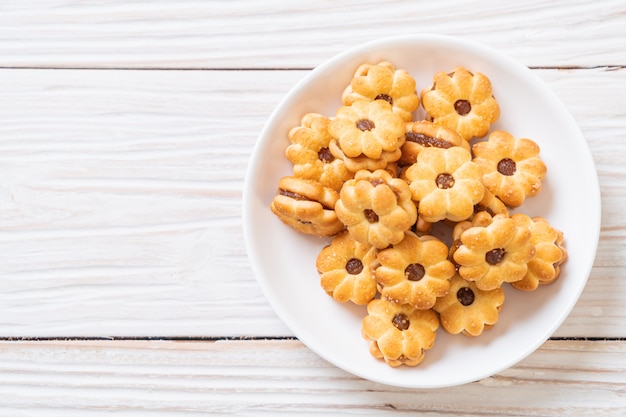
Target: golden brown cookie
point(467, 309)
point(399, 333)
point(307, 206)
point(425, 134)
point(415, 271)
point(422, 226)
point(481, 218)
point(463, 101)
point(360, 162)
point(376, 208)
point(545, 267)
point(393, 169)
point(383, 81)
point(445, 184)
point(493, 254)
point(491, 204)
point(310, 154)
point(346, 269)
point(512, 168)
point(367, 128)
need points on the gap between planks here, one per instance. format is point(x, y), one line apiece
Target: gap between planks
point(229, 338)
point(607, 67)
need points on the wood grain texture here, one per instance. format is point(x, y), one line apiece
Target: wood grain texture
point(121, 200)
point(121, 193)
point(563, 378)
point(280, 34)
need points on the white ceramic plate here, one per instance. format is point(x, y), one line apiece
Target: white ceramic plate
point(284, 260)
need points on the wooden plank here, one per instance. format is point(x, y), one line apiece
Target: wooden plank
point(562, 378)
point(121, 194)
point(277, 34)
point(591, 110)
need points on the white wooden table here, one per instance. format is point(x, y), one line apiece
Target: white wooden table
point(125, 133)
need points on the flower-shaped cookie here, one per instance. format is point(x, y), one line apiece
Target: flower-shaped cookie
point(425, 134)
point(467, 309)
point(383, 81)
point(445, 184)
point(376, 208)
point(309, 152)
point(545, 267)
point(493, 254)
point(368, 128)
point(346, 269)
point(512, 168)
point(463, 101)
point(307, 206)
point(415, 271)
point(399, 333)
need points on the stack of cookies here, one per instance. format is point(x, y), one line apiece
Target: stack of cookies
point(377, 181)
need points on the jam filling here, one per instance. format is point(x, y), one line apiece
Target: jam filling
point(414, 272)
point(325, 156)
point(293, 195)
point(300, 197)
point(385, 97)
point(495, 256)
point(354, 266)
point(444, 181)
point(401, 321)
point(427, 141)
point(507, 167)
point(370, 215)
point(376, 182)
point(365, 124)
point(462, 107)
point(465, 296)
